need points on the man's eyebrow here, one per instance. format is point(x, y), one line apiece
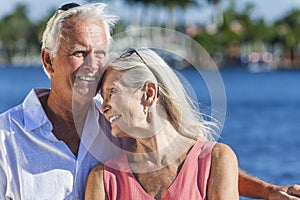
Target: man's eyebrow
point(101, 48)
point(75, 47)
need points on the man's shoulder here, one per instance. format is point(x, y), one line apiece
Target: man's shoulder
point(12, 114)
point(29, 112)
point(9, 119)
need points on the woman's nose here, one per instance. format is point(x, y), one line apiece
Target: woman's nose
point(105, 107)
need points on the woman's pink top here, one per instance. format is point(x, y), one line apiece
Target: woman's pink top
point(191, 182)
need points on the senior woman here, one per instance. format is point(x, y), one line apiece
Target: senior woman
point(175, 156)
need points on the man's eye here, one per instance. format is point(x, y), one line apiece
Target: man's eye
point(100, 54)
point(79, 54)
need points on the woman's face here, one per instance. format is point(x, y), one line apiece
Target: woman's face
point(122, 107)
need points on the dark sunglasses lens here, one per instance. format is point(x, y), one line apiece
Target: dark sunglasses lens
point(128, 53)
point(68, 6)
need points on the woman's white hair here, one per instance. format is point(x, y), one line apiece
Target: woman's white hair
point(181, 110)
point(53, 32)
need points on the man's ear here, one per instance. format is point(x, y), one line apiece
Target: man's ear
point(47, 62)
point(150, 89)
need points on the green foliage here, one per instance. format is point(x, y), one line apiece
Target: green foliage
point(239, 29)
point(166, 3)
point(17, 33)
point(20, 36)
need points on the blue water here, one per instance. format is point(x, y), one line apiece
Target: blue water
point(262, 123)
point(16, 82)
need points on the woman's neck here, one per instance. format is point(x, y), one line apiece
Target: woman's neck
point(162, 148)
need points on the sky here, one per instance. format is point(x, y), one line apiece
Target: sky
point(269, 10)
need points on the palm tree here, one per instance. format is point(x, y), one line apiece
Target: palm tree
point(170, 5)
point(145, 3)
point(288, 30)
point(216, 11)
point(17, 33)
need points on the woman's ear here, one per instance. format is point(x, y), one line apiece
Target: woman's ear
point(47, 62)
point(150, 89)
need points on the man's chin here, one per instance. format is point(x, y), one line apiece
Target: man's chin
point(118, 134)
point(81, 95)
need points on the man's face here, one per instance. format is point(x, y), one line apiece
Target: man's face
point(80, 60)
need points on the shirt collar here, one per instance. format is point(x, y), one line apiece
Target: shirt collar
point(90, 131)
point(34, 114)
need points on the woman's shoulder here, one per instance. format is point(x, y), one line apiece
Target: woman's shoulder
point(96, 174)
point(97, 169)
point(95, 188)
point(222, 153)
point(223, 180)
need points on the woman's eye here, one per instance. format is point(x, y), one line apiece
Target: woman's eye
point(106, 95)
point(112, 91)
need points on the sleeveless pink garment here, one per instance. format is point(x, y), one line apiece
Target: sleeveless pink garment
point(190, 184)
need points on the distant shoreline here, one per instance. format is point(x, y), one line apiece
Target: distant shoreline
point(8, 65)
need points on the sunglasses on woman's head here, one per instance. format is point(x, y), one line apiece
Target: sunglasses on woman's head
point(131, 51)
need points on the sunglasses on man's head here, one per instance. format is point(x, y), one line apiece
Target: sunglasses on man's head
point(68, 6)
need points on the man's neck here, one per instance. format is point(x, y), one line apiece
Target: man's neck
point(67, 122)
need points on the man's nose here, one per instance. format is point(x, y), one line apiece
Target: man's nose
point(92, 62)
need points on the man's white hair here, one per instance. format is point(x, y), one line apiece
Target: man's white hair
point(53, 32)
